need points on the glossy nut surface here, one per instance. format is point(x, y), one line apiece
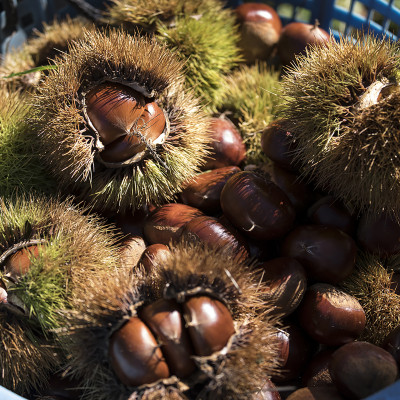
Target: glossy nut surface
point(286, 281)
point(210, 324)
point(204, 190)
point(154, 256)
point(151, 123)
point(210, 231)
point(359, 369)
point(121, 149)
point(135, 356)
point(113, 109)
point(19, 263)
point(165, 223)
point(165, 320)
point(326, 253)
point(227, 147)
point(331, 316)
point(257, 206)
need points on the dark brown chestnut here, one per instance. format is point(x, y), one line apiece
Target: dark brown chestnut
point(210, 324)
point(326, 253)
point(379, 234)
point(327, 392)
point(279, 145)
point(204, 190)
point(151, 123)
point(211, 232)
point(317, 371)
point(392, 344)
point(19, 263)
point(112, 109)
point(165, 223)
point(154, 256)
point(331, 316)
point(257, 206)
point(165, 320)
point(359, 369)
point(286, 282)
point(135, 355)
point(296, 37)
point(132, 223)
point(260, 27)
point(227, 147)
point(331, 212)
point(268, 392)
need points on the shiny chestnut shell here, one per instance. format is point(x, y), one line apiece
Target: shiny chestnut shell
point(19, 263)
point(135, 355)
point(227, 146)
point(165, 320)
point(359, 369)
point(210, 324)
point(204, 190)
point(257, 206)
point(326, 253)
point(154, 256)
point(331, 316)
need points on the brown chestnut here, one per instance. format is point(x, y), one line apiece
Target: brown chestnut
point(286, 282)
point(257, 206)
point(268, 392)
point(165, 320)
point(112, 109)
point(260, 27)
point(154, 256)
point(326, 253)
point(204, 190)
point(209, 323)
point(391, 344)
point(19, 263)
point(359, 369)
point(227, 147)
point(317, 371)
point(327, 392)
point(165, 223)
point(135, 355)
point(331, 316)
point(296, 37)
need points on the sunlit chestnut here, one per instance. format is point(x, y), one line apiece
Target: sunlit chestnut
point(279, 145)
point(204, 190)
point(286, 282)
point(151, 123)
point(227, 147)
point(165, 320)
point(268, 392)
point(165, 223)
point(154, 256)
point(211, 232)
point(326, 253)
point(131, 250)
point(135, 355)
point(331, 316)
point(112, 109)
point(210, 324)
point(257, 206)
point(379, 234)
point(359, 369)
point(296, 37)
point(19, 263)
point(260, 27)
point(331, 212)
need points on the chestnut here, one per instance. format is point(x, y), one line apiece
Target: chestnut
point(164, 319)
point(132, 223)
point(257, 206)
point(19, 263)
point(227, 146)
point(286, 284)
point(212, 233)
point(279, 145)
point(379, 234)
point(327, 392)
point(260, 27)
point(391, 344)
point(112, 109)
point(165, 223)
point(135, 355)
point(296, 36)
point(209, 323)
point(317, 371)
point(326, 253)
point(204, 190)
point(359, 369)
point(154, 256)
point(268, 392)
point(331, 316)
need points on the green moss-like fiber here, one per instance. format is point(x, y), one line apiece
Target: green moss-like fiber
point(348, 136)
point(252, 96)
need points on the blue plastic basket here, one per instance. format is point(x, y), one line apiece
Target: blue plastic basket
point(341, 17)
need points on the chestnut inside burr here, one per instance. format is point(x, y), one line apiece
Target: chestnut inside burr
point(165, 338)
point(125, 122)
